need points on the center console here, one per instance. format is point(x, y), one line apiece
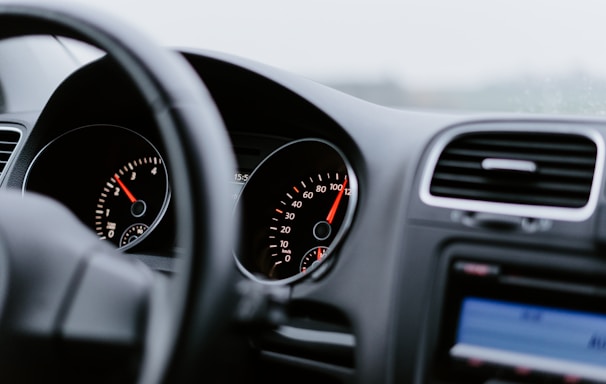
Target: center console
point(503, 321)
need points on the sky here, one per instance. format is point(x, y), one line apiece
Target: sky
point(419, 43)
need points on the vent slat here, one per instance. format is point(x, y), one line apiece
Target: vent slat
point(532, 156)
point(565, 168)
point(8, 142)
point(562, 171)
point(551, 146)
point(479, 182)
point(499, 197)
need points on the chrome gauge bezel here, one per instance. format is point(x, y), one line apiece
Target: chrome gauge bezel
point(333, 247)
point(167, 192)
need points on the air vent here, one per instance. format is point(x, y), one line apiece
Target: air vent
point(521, 168)
point(9, 138)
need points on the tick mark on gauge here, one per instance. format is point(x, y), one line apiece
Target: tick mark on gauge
point(273, 228)
point(279, 211)
point(283, 203)
point(319, 177)
point(289, 196)
point(303, 184)
point(296, 190)
point(272, 270)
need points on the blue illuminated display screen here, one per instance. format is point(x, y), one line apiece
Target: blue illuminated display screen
point(546, 339)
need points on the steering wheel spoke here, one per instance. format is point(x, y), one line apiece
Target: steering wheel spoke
point(64, 297)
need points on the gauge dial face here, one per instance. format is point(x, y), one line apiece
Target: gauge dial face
point(132, 234)
point(112, 178)
point(309, 213)
point(312, 258)
point(296, 207)
point(131, 200)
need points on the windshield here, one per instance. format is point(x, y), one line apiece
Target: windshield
point(543, 56)
point(31, 67)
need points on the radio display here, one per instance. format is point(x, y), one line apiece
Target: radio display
point(553, 340)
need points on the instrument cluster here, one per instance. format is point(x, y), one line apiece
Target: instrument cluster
point(296, 198)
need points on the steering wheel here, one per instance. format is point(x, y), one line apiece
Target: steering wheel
point(73, 308)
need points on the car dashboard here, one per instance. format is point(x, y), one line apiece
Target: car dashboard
point(413, 246)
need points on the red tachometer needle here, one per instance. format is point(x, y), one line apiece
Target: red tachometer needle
point(335, 205)
point(319, 256)
point(128, 193)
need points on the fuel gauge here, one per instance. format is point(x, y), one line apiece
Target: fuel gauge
point(312, 258)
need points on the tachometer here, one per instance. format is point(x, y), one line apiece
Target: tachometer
point(131, 200)
point(114, 180)
point(296, 206)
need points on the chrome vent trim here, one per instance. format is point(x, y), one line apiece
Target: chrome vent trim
point(9, 139)
point(523, 166)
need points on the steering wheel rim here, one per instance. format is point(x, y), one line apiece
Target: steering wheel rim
point(196, 302)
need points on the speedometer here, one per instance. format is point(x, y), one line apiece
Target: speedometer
point(296, 208)
point(310, 213)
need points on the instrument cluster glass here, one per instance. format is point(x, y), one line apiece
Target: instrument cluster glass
point(296, 207)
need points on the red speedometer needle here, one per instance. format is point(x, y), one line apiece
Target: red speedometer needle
point(128, 193)
point(319, 255)
point(335, 205)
